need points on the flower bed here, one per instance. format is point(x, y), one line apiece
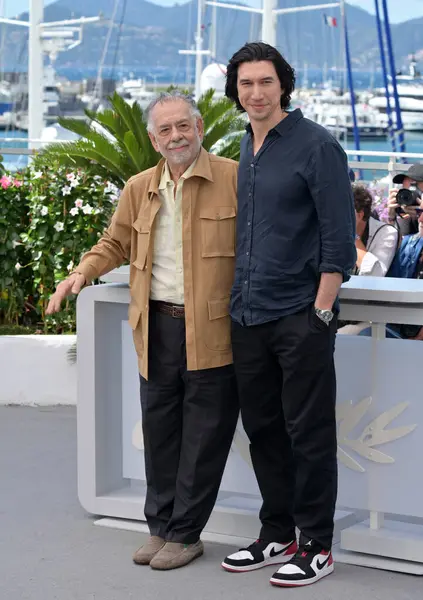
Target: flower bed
point(50, 216)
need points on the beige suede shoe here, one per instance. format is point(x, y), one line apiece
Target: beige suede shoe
point(144, 554)
point(174, 555)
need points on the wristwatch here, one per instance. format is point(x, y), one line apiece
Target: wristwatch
point(324, 315)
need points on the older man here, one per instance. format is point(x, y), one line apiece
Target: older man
point(175, 224)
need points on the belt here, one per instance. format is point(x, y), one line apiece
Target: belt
point(173, 310)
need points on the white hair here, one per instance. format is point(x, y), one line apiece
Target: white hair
point(169, 97)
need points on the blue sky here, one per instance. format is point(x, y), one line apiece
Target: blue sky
point(399, 10)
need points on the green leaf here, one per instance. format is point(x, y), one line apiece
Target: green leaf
point(133, 149)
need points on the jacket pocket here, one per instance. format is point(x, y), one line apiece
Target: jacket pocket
point(217, 231)
point(135, 322)
point(218, 331)
point(143, 228)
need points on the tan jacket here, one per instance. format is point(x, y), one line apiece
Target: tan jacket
point(209, 210)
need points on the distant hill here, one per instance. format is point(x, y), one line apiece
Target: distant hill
point(151, 36)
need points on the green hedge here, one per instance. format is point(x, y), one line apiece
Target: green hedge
point(50, 216)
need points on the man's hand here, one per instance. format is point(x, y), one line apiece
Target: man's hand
point(392, 204)
point(72, 285)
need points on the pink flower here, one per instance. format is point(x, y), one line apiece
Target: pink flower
point(17, 183)
point(5, 182)
point(70, 176)
point(79, 203)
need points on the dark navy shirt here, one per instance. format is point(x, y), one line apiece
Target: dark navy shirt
point(295, 220)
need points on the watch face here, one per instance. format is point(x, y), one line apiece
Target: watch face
point(325, 315)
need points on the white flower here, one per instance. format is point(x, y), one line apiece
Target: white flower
point(70, 176)
point(87, 209)
point(79, 203)
point(70, 266)
point(97, 211)
point(98, 178)
point(59, 226)
point(37, 175)
point(74, 183)
point(74, 211)
point(15, 243)
point(18, 267)
point(44, 211)
point(111, 189)
point(66, 190)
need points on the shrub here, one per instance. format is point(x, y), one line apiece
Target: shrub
point(68, 211)
point(15, 284)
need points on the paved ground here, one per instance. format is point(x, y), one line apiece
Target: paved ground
point(49, 548)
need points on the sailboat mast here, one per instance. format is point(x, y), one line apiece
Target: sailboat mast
point(268, 25)
point(400, 128)
point(213, 35)
point(385, 78)
point(349, 74)
point(35, 72)
point(199, 50)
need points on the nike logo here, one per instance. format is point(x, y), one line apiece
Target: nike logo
point(320, 565)
point(272, 552)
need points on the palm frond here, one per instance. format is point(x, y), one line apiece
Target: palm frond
point(230, 147)
point(77, 126)
point(120, 147)
point(110, 120)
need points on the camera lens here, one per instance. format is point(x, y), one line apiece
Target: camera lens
point(405, 197)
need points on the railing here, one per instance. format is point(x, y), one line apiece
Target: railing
point(391, 163)
point(370, 169)
point(20, 149)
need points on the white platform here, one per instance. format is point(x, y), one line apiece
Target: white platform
point(342, 519)
point(396, 539)
point(36, 370)
point(379, 415)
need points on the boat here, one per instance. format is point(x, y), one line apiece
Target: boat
point(135, 90)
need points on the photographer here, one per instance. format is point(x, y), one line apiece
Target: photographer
point(402, 203)
point(408, 264)
point(376, 242)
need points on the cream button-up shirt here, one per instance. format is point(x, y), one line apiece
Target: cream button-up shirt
point(167, 280)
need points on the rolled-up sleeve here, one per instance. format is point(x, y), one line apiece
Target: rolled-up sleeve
point(377, 261)
point(330, 187)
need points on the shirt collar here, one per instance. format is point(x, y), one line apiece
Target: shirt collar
point(285, 124)
point(166, 178)
point(200, 168)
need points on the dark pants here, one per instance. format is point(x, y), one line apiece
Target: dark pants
point(287, 388)
point(188, 418)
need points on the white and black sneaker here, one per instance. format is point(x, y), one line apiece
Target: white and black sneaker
point(259, 554)
point(309, 564)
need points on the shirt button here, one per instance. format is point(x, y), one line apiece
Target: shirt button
point(252, 165)
point(245, 282)
point(249, 223)
point(248, 254)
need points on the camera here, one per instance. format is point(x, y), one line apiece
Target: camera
point(407, 197)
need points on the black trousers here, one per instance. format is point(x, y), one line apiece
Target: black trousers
point(287, 388)
point(189, 419)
